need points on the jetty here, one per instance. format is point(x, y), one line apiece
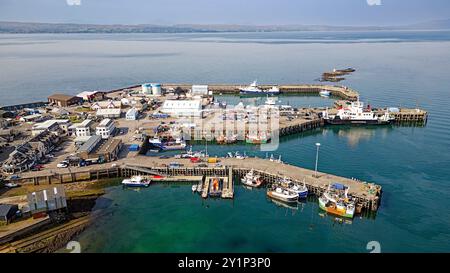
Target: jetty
point(367, 194)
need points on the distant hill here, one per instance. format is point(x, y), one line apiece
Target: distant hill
point(27, 27)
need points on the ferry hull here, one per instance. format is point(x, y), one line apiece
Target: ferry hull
point(355, 122)
point(255, 93)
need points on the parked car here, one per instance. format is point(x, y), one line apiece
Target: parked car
point(203, 165)
point(164, 157)
point(63, 164)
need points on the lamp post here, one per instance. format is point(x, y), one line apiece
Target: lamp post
point(317, 158)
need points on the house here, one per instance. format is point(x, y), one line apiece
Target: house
point(109, 113)
point(7, 213)
point(30, 152)
point(29, 118)
point(57, 126)
point(63, 100)
point(132, 114)
point(47, 200)
point(111, 104)
point(81, 129)
point(182, 108)
point(92, 95)
point(106, 128)
point(59, 112)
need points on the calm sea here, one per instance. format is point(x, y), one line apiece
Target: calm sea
point(393, 69)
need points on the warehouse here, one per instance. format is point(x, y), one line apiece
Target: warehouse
point(109, 150)
point(182, 108)
point(109, 113)
point(7, 213)
point(89, 146)
point(63, 100)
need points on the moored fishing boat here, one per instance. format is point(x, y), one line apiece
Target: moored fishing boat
point(252, 180)
point(177, 144)
point(136, 181)
point(335, 203)
point(282, 194)
point(324, 93)
point(260, 138)
point(301, 190)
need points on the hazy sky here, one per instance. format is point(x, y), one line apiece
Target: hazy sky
point(330, 12)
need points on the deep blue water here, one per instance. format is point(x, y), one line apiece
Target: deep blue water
point(393, 69)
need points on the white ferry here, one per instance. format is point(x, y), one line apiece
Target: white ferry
point(355, 113)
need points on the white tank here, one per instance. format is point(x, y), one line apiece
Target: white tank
point(146, 88)
point(156, 89)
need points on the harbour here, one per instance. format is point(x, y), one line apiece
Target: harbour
point(393, 157)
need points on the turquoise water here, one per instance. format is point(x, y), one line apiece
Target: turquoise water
point(393, 69)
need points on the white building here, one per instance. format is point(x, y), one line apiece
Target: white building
point(82, 129)
point(132, 114)
point(182, 108)
point(53, 125)
point(111, 104)
point(199, 90)
point(109, 113)
point(106, 128)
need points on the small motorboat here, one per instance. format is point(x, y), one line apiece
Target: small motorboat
point(194, 188)
point(251, 179)
point(324, 93)
point(136, 181)
point(283, 194)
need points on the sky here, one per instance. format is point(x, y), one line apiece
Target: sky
point(249, 12)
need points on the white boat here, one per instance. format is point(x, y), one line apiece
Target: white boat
point(283, 194)
point(194, 188)
point(324, 93)
point(301, 190)
point(251, 179)
point(136, 181)
point(355, 113)
point(253, 89)
point(270, 101)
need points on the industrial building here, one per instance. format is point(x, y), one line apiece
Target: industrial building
point(151, 89)
point(106, 128)
point(132, 114)
point(199, 90)
point(57, 126)
point(90, 145)
point(43, 202)
point(81, 129)
point(109, 113)
point(63, 100)
point(182, 108)
point(109, 150)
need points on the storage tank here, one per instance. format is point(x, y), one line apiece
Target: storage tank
point(146, 88)
point(156, 89)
